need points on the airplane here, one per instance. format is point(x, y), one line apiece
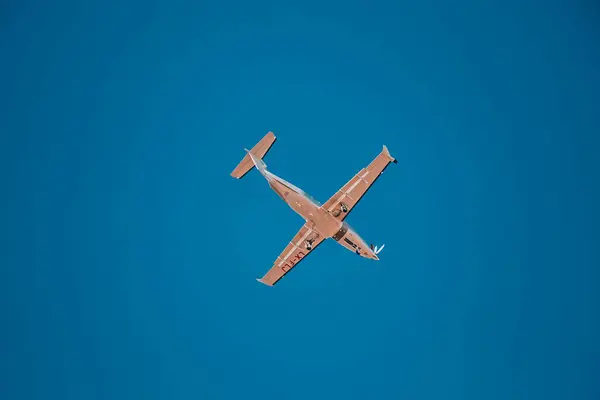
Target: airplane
point(322, 221)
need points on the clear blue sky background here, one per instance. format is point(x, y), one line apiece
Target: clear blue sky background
point(129, 254)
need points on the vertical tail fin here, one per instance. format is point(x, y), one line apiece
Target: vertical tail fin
point(259, 151)
point(257, 161)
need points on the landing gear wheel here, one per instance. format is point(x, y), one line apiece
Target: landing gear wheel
point(344, 207)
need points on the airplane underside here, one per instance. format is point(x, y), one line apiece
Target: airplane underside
point(319, 219)
point(322, 221)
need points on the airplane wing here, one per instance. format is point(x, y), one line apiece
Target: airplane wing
point(293, 253)
point(351, 193)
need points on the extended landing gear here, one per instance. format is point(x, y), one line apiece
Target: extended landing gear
point(308, 244)
point(343, 208)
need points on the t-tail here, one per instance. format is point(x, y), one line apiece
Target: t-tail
point(258, 162)
point(254, 157)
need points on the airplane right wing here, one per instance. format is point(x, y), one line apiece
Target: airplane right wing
point(294, 252)
point(344, 200)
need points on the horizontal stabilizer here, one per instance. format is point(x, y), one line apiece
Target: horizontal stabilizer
point(259, 150)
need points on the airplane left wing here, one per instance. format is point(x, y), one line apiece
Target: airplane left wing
point(293, 253)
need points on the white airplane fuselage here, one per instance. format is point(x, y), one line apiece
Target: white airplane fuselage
point(318, 218)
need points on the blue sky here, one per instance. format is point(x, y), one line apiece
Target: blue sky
point(130, 255)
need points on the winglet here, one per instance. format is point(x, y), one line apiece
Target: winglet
point(263, 282)
point(387, 153)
